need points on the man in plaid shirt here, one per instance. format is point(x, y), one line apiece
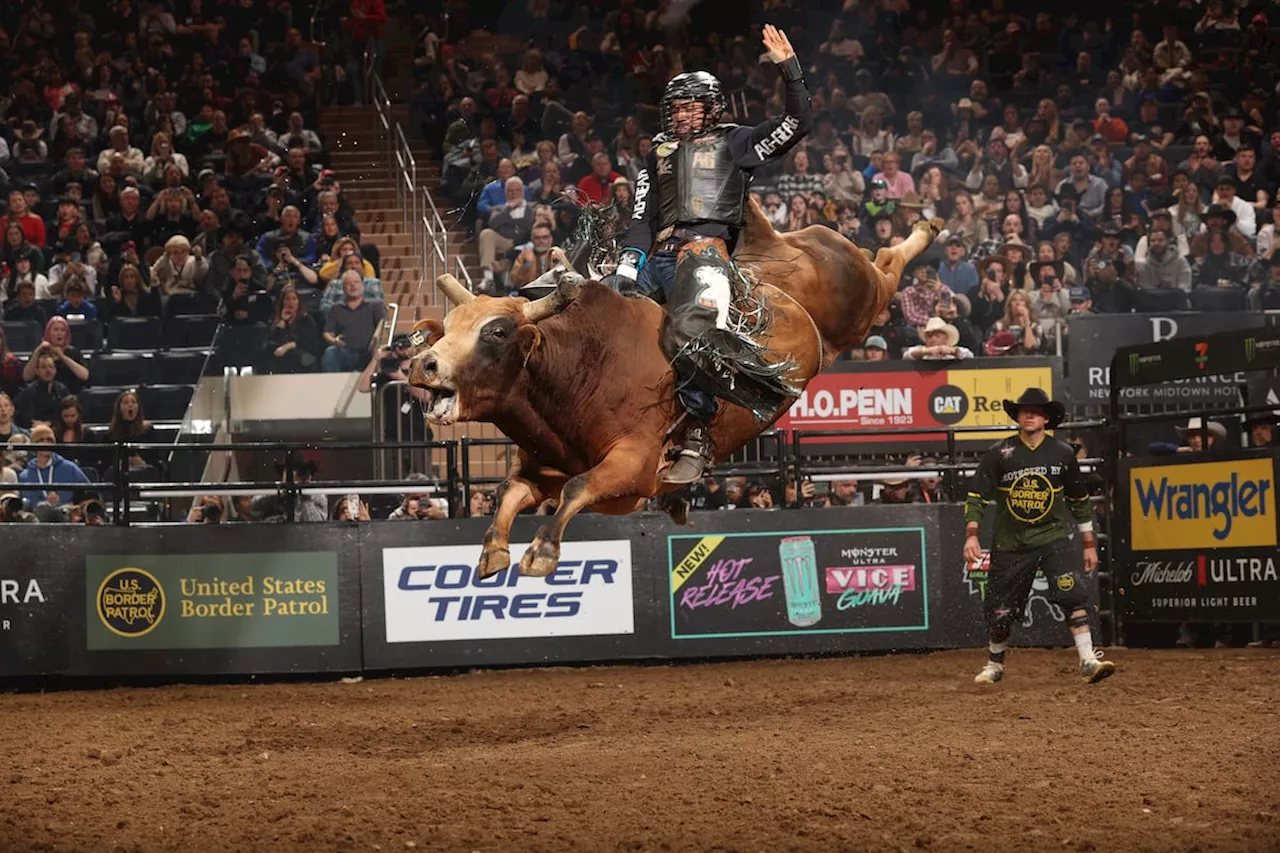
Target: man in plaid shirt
point(920, 300)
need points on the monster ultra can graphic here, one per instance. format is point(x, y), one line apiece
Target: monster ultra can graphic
point(800, 581)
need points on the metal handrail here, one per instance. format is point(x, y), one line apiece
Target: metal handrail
point(466, 274)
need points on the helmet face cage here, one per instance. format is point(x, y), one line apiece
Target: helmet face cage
point(695, 86)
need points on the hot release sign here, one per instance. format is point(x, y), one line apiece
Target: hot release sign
point(798, 582)
point(879, 401)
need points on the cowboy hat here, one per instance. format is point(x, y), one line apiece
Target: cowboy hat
point(1003, 260)
point(1271, 417)
point(1194, 425)
point(1016, 242)
point(237, 134)
point(1055, 411)
point(937, 324)
point(1036, 266)
point(911, 200)
point(1000, 343)
point(962, 104)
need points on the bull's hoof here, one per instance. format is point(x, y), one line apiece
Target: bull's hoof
point(492, 561)
point(540, 559)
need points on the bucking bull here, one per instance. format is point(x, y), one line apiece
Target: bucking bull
point(578, 380)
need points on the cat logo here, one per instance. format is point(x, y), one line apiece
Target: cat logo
point(1066, 583)
point(948, 404)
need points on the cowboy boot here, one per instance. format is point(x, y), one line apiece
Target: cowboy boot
point(695, 455)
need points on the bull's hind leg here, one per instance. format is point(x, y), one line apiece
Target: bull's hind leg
point(627, 471)
point(891, 261)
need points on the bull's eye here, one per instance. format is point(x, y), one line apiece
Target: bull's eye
point(498, 333)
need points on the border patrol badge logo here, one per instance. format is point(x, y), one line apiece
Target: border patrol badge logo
point(1030, 498)
point(130, 602)
point(1066, 583)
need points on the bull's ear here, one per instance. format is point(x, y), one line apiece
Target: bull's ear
point(426, 333)
point(528, 339)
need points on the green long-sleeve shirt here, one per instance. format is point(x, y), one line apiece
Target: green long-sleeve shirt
point(1026, 485)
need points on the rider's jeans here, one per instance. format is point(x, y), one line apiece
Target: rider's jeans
point(656, 280)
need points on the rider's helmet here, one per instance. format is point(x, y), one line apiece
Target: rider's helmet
point(692, 86)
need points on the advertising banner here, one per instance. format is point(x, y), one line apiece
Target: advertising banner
point(211, 601)
point(1095, 338)
point(433, 594)
point(1203, 505)
point(33, 603)
point(1221, 585)
point(900, 395)
point(806, 581)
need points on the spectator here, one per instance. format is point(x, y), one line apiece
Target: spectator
point(294, 344)
point(1090, 189)
point(31, 225)
point(899, 183)
point(1195, 432)
point(1081, 301)
point(23, 274)
point(1018, 331)
point(77, 304)
point(941, 340)
point(596, 185)
point(8, 426)
point(1161, 220)
point(965, 224)
point(40, 400)
point(1164, 267)
point(244, 301)
point(1220, 267)
point(509, 225)
point(334, 292)
point(23, 308)
point(290, 236)
point(920, 300)
point(132, 297)
point(1218, 218)
point(350, 326)
point(534, 259)
point(875, 348)
point(46, 471)
point(494, 193)
point(350, 508)
point(1245, 217)
point(179, 270)
point(69, 428)
point(129, 425)
point(133, 161)
point(997, 162)
point(895, 490)
point(69, 364)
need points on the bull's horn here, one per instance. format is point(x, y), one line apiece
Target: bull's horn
point(559, 258)
point(453, 290)
point(557, 300)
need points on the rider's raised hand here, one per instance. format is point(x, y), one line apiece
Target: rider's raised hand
point(778, 45)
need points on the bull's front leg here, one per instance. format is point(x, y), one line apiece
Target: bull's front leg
point(514, 496)
point(628, 470)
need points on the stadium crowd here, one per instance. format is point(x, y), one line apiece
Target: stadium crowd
point(166, 205)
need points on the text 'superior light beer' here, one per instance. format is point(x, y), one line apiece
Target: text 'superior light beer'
point(800, 581)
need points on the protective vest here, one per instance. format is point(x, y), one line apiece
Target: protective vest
point(698, 181)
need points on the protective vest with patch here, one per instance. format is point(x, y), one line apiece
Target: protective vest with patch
point(698, 181)
point(1028, 486)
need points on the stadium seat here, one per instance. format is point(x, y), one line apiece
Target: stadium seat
point(21, 335)
point(135, 333)
point(128, 369)
point(241, 345)
point(1156, 301)
point(186, 367)
point(166, 402)
point(1218, 299)
point(1271, 299)
point(196, 330)
point(184, 304)
point(310, 300)
point(98, 403)
point(50, 306)
point(86, 335)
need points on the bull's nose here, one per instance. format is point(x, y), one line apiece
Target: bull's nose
point(424, 368)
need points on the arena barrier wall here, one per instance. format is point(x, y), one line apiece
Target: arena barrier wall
point(344, 597)
point(1199, 538)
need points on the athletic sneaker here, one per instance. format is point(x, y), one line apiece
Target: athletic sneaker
point(1096, 669)
point(991, 673)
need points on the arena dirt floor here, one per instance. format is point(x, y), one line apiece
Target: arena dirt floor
point(1179, 752)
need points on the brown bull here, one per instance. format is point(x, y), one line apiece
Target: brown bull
point(579, 382)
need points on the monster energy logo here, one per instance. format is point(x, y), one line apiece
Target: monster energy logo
point(1133, 364)
point(1136, 360)
point(1250, 349)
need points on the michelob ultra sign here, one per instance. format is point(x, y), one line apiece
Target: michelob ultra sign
point(1203, 505)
